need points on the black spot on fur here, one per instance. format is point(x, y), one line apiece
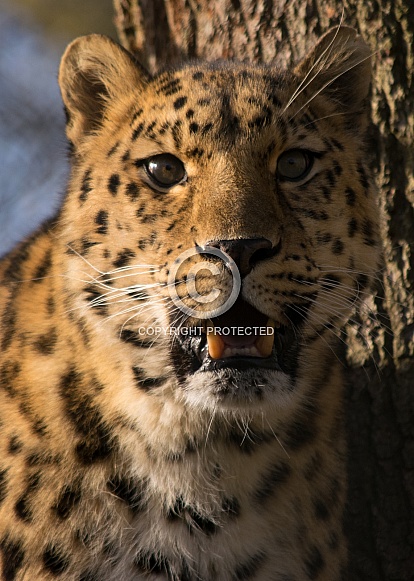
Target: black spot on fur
point(50, 305)
point(164, 127)
point(261, 120)
point(94, 296)
point(177, 133)
point(129, 491)
point(321, 509)
point(274, 99)
point(113, 184)
point(362, 282)
point(324, 237)
point(8, 323)
point(196, 152)
point(363, 178)
point(231, 506)
point(326, 192)
point(247, 569)
point(85, 245)
point(86, 186)
point(171, 226)
point(137, 131)
point(41, 459)
point(140, 211)
point(271, 480)
point(13, 557)
point(194, 127)
point(314, 563)
point(313, 214)
point(9, 372)
point(206, 129)
point(69, 497)
point(39, 426)
point(146, 383)
point(170, 87)
point(180, 102)
point(91, 450)
point(22, 509)
point(336, 144)
point(152, 563)
point(350, 196)
point(337, 168)
point(137, 114)
point(44, 267)
point(54, 560)
point(45, 344)
point(331, 178)
point(338, 246)
point(132, 191)
point(193, 519)
point(3, 485)
point(22, 506)
point(131, 337)
point(14, 271)
point(123, 257)
point(113, 149)
point(198, 75)
point(368, 231)
point(200, 522)
point(95, 443)
point(15, 445)
point(352, 227)
point(101, 219)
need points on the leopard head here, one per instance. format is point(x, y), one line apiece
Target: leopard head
point(221, 221)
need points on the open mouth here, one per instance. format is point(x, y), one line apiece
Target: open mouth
point(240, 338)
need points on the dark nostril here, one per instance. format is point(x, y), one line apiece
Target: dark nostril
point(246, 252)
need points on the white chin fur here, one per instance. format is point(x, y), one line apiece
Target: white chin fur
point(217, 391)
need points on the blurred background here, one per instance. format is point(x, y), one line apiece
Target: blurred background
point(33, 151)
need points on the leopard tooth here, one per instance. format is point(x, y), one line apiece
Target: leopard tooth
point(264, 343)
point(215, 342)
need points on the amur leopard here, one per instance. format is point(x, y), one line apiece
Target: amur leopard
point(146, 432)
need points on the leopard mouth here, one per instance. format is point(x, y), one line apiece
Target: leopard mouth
point(241, 338)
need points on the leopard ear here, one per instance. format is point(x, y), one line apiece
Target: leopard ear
point(95, 71)
point(338, 66)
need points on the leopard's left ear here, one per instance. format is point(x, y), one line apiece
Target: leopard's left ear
point(338, 66)
point(95, 71)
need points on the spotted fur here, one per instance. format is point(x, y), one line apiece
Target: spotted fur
point(118, 460)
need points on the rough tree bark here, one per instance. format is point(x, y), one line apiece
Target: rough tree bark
point(380, 395)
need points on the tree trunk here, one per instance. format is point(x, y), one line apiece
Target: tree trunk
point(380, 394)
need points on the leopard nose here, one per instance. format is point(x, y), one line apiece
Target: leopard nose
point(246, 252)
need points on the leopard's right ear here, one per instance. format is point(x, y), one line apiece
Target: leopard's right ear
point(95, 71)
point(338, 66)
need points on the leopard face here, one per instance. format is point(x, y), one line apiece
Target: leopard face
point(267, 167)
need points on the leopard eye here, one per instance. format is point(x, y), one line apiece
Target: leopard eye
point(165, 170)
point(294, 165)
